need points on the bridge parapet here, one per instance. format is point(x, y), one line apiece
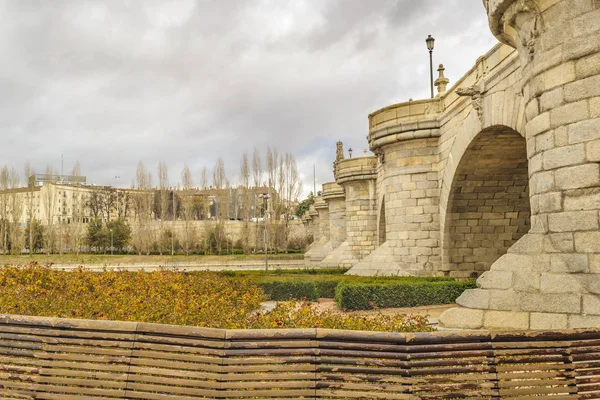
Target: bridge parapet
point(355, 169)
point(332, 190)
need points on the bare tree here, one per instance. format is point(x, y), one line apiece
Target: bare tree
point(29, 172)
point(245, 186)
point(142, 204)
point(187, 206)
point(16, 211)
point(49, 200)
point(219, 183)
point(4, 208)
point(163, 201)
point(256, 181)
point(292, 188)
point(76, 171)
point(78, 205)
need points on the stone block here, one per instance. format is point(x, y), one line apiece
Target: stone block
point(586, 24)
point(595, 107)
point(569, 113)
point(532, 109)
point(594, 262)
point(561, 136)
point(503, 320)
point(578, 177)
point(559, 75)
point(544, 141)
point(587, 199)
point(591, 304)
point(550, 202)
point(564, 156)
point(592, 150)
point(588, 66)
point(559, 243)
point(495, 280)
point(530, 243)
point(506, 300)
point(548, 321)
point(591, 283)
point(474, 298)
point(569, 263)
point(539, 124)
point(587, 242)
point(551, 99)
point(462, 318)
point(526, 280)
point(583, 321)
point(513, 262)
point(560, 283)
point(551, 302)
point(542, 182)
point(582, 89)
point(571, 221)
point(584, 131)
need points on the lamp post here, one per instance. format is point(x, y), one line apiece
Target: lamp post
point(111, 242)
point(350, 152)
point(430, 42)
point(265, 197)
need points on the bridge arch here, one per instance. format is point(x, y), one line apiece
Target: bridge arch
point(487, 206)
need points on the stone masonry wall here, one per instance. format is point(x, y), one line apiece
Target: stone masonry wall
point(550, 279)
point(489, 203)
point(361, 220)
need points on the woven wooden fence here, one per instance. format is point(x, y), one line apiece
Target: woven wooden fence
point(45, 358)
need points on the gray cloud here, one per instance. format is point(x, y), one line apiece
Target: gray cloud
point(115, 82)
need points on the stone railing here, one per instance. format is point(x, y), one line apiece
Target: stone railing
point(48, 358)
point(332, 190)
point(423, 119)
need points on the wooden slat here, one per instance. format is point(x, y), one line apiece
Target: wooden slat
point(69, 359)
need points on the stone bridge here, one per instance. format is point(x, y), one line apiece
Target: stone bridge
point(497, 178)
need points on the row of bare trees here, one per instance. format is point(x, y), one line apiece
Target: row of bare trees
point(262, 195)
point(223, 200)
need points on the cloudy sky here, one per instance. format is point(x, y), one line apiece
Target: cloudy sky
point(111, 83)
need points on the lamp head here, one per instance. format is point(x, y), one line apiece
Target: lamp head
point(430, 42)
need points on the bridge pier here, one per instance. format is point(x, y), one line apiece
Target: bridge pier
point(321, 246)
point(409, 197)
point(550, 278)
point(357, 178)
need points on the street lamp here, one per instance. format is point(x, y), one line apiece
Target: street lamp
point(430, 41)
point(350, 152)
point(265, 197)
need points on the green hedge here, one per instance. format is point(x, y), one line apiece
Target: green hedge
point(311, 287)
point(284, 290)
point(364, 296)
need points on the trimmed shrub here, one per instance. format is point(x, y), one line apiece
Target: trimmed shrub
point(364, 296)
point(284, 290)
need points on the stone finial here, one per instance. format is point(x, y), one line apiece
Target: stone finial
point(441, 82)
point(339, 151)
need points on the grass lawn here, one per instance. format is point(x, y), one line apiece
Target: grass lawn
point(90, 259)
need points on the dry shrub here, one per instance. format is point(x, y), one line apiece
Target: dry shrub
point(164, 297)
